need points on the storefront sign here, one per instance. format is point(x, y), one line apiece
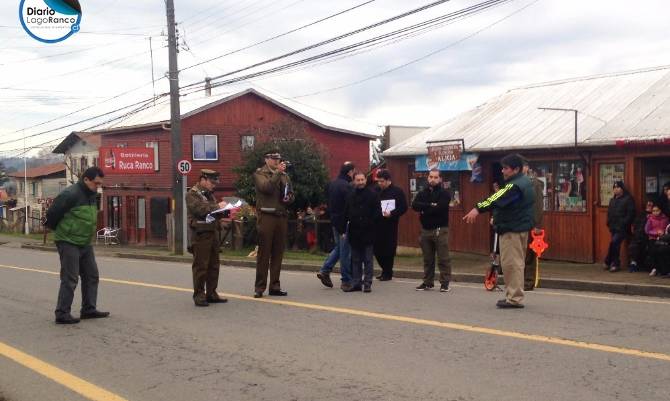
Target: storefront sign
point(127, 160)
point(445, 153)
point(642, 142)
point(465, 162)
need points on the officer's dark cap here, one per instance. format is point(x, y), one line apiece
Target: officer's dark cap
point(273, 155)
point(209, 174)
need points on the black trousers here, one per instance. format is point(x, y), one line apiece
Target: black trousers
point(384, 248)
point(77, 261)
point(613, 257)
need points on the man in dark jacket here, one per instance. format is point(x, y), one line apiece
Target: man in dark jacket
point(337, 192)
point(432, 203)
point(394, 205)
point(361, 210)
point(73, 215)
point(513, 218)
point(620, 216)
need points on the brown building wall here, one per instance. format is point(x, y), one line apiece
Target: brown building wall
point(572, 236)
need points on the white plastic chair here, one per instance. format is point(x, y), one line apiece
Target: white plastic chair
point(110, 236)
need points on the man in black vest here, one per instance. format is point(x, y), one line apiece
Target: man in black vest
point(393, 205)
point(513, 218)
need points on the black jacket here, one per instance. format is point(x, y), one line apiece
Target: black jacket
point(361, 210)
point(433, 204)
point(395, 193)
point(337, 192)
point(620, 214)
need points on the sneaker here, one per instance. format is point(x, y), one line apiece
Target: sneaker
point(66, 319)
point(652, 273)
point(445, 287)
point(424, 287)
point(632, 267)
point(325, 279)
point(367, 288)
point(353, 288)
point(94, 314)
point(614, 269)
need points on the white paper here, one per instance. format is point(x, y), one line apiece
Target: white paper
point(210, 218)
point(388, 205)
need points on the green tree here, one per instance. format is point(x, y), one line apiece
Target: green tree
point(307, 169)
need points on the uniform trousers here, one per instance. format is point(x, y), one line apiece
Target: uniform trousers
point(206, 263)
point(272, 230)
point(512, 259)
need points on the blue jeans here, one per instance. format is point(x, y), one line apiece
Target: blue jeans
point(613, 258)
point(361, 266)
point(341, 252)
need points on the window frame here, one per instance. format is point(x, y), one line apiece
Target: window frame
point(216, 147)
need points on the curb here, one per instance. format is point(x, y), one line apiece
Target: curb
point(549, 283)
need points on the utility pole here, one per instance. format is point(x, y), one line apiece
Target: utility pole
point(175, 131)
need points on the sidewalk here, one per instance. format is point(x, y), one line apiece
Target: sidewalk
point(466, 268)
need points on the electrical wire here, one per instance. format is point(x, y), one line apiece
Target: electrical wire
point(281, 34)
point(457, 14)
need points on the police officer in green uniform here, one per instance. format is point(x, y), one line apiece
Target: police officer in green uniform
point(205, 241)
point(273, 195)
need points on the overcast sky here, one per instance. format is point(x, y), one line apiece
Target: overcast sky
point(484, 55)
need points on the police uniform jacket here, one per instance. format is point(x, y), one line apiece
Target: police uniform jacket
point(199, 203)
point(271, 187)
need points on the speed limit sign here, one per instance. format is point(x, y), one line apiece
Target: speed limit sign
point(184, 167)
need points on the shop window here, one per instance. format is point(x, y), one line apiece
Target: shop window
point(570, 187)
point(450, 181)
point(141, 213)
point(543, 172)
point(154, 145)
point(159, 208)
point(114, 211)
point(205, 147)
point(609, 173)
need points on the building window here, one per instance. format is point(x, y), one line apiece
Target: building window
point(570, 187)
point(544, 173)
point(248, 142)
point(33, 191)
point(84, 163)
point(154, 146)
point(609, 174)
point(205, 147)
point(95, 161)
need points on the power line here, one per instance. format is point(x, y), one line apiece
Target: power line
point(281, 34)
point(450, 16)
point(256, 20)
point(322, 43)
point(416, 60)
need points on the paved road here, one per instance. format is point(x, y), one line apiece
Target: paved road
point(321, 344)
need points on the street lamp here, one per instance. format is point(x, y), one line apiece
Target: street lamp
point(560, 109)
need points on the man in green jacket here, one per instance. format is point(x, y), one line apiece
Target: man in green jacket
point(73, 216)
point(513, 218)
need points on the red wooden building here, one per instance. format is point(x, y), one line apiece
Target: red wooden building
point(214, 134)
point(580, 136)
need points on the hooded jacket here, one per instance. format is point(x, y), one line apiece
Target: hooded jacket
point(74, 215)
point(620, 213)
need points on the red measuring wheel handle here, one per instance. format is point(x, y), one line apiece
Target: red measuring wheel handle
point(538, 245)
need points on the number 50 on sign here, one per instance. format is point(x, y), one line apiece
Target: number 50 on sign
point(184, 167)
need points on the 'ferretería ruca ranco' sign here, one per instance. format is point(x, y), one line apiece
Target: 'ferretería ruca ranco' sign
point(127, 160)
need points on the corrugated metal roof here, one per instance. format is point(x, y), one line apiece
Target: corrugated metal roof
point(193, 104)
point(632, 104)
point(41, 171)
